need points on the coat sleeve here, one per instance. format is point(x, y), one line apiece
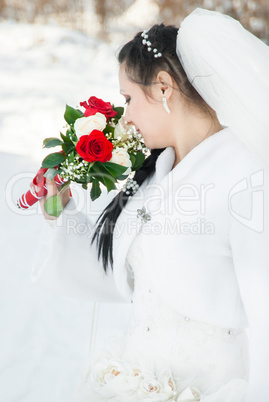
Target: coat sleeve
point(249, 239)
point(67, 263)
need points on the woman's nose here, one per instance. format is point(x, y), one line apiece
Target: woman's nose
point(126, 118)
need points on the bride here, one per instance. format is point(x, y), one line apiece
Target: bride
point(189, 248)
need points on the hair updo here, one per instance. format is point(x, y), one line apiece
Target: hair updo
point(142, 68)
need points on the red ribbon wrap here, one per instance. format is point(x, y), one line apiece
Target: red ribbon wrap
point(32, 196)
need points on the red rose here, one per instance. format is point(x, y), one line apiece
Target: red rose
point(94, 147)
point(95, 105)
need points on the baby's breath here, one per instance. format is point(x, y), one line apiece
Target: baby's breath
point(131, 141)
point(74, 170)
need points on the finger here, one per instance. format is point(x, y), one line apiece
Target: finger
point(51, 191)
point(51, 187)
point(65, 196)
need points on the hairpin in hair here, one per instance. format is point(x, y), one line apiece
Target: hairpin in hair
point(147, 43)
point(130, 187)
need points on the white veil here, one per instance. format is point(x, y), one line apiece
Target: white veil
point(229, 67)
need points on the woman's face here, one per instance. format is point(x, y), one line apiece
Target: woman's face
point(145, 113)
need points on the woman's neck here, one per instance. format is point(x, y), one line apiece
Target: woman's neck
point(182, 148)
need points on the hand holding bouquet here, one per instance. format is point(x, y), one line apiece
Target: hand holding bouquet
point(97, 148)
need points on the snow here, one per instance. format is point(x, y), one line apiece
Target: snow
point(42, 69)
point(45, 337)
point(140, 14)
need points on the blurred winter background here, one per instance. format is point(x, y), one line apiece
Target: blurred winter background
point(53, 53)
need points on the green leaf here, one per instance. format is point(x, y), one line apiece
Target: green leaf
point(53, 160)
point(68, 147)
point(109, 129)
point(51, 142)
point(51, 173)
point(71, 134)
point(53, 206)
point(110, 186)
point(114, 169)
point(138, 161)
point(66, 139)
point(85, 186)
point(71, 114)
point(71, 157)
point(122, 177)
point(95, 190)
point(88, 178)
point(99, 171)
point(119, 110)
point(85, 179)
point(90, 166)
point(132, 157)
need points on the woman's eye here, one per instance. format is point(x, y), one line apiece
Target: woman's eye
point(127, 100)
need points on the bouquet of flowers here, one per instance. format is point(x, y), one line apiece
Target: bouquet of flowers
point(111, 377)
point(98, 147)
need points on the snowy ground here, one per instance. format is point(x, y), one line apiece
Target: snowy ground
point(44, 336)
point(42, 69)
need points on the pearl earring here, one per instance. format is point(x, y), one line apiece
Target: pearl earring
point(165, 105)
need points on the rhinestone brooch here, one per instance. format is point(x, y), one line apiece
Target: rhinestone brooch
point(143, 215)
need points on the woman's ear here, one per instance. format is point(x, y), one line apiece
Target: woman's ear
point(165, 85)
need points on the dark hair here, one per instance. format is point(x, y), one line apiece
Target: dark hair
point(142, 68)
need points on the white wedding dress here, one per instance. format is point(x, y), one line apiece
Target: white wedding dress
point(165, 356)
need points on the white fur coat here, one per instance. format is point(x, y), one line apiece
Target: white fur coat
point(206, 246)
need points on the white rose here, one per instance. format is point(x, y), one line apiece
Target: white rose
point(110, 377)
point(105, 370)
point(121, 157)
point(121, 129)
point(85, 125)
point(150, 387)
point(168, 384)
point(136, 372)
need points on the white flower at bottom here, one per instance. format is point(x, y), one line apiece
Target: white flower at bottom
point(117, 380)
point(111, 378)
point(168, 384)
point(106, 370)
point(121, 157)
point(150, 386)
point(136, 372)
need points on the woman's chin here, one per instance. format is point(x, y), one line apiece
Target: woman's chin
point(150, 144)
